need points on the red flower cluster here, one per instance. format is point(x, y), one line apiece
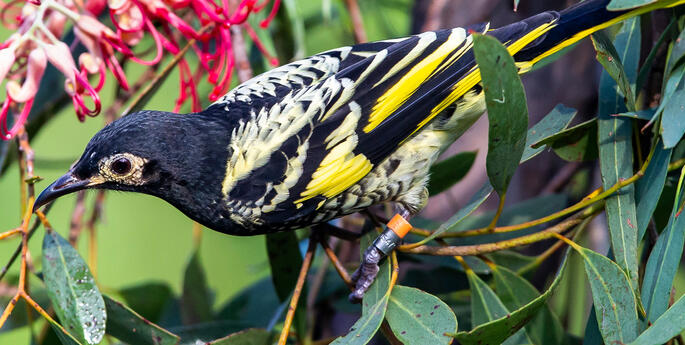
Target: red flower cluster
point(41, 23)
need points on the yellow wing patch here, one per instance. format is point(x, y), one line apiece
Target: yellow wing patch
point(337, 172)
point(392, 99)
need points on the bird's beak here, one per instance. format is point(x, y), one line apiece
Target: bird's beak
point(66, 184)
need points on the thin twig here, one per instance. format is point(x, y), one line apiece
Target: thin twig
point(497, 246)
point(306, 263)
point(76, 224)
point(339, 267)
point(357, 21)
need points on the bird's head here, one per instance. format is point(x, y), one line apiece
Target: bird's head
point(172, 156)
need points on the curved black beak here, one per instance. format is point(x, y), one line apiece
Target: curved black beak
point(66, 184)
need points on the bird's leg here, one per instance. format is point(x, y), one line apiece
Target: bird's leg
point(384, 244)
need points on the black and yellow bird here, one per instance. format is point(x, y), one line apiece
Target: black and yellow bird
point(325, 136)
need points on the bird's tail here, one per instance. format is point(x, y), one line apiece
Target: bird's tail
point(570, 26)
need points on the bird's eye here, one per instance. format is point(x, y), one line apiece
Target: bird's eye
point(121, 166)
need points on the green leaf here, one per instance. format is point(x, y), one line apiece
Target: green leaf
point(64, 337)
point(515, 292)
point(645, 114)
point(521, 212)
point(285, 260)
point(677, 54)
point(476, 200)
point(196, 303)
point(128, 326)
point(649, 60)
point(663, 262)
point(507, 110)
point(618, 5)
point(249, 305)
point(148, 299)
point(496, 331)
point(611, 59)
point(253, 336)
point(417, 317)
point(673, 117)
point(374, 304)
point(666, 327)
point(555, 121)
point(616, 150)
point(648, 189)
point(615, 305)
point(575, 144)
point(72, 290)
point(446, 173)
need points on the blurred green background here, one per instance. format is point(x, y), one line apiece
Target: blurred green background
point(141, 238)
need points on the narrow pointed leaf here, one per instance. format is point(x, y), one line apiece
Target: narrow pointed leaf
point(648, 189)
point(72, 290)
point(575, 144)
point(612, 58)
point(615, 145)
point(663, 263)
point(417, 317)
point(486, 307)
point(673, 117)
point(196, 304)
point(618, 5)
point(129, 327)
point(253, 336)
point(374, 304)
point(448, 172)
point(64, 337)
point(515, 292)
point(496, 331)
point(555, 121)
point(507, 110)
point(615, 305)
point(666, 327)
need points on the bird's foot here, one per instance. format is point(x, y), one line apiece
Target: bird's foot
point(384, 244)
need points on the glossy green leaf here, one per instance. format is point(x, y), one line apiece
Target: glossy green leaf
point(575, 144)
point(496, 331)
point(515, 292)
point(615, 305)
point(285, 260)
point(555, 121)
point(75, 296)
point(666, 327)
point(663, 263)
point(374, 304)
point(507, 110)
point(648, 189)
point(253, 336)
point(446, 173)
point(592, 334)
point(128, 326)
point(417, 317)
point(614, 135)
point(196, 303)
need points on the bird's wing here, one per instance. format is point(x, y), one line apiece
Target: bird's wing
point(317, 141)
point(268, 87)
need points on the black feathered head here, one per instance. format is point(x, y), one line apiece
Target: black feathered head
point(180, 158)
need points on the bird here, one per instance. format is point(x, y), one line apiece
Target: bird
point(325, 136)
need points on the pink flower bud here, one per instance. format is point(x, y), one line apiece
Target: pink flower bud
point(59, 56)
point(56, 23)
point(35, 68)
point(93, 27)
point(96, 6)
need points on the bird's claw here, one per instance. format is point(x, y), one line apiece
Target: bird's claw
point(364, 276)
